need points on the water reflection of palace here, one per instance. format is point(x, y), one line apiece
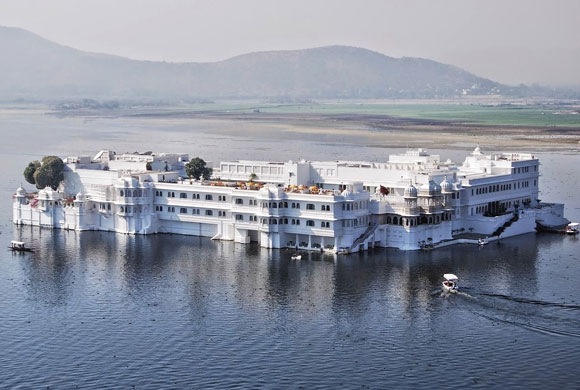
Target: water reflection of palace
point(207, 273)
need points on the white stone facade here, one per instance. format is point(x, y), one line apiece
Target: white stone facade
point(411, 201)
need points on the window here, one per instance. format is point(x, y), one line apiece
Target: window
point(309, 206)
point(239, 201)
point(309, 223)
point(221, 213)
point(208, 197)
point(325, 224)
point(280, 205)
point(274, 205)
point(209, 212)
point(297, 206)
point(239, 217)
point(122, 194)
point(183, 195)
point(183, 210)
point(285, 205)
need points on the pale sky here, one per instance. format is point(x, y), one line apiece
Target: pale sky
point(510, 41)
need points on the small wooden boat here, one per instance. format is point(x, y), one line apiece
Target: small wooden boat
point(296, 257)
point(19, 246)
point(450, 283)
point(572, 228)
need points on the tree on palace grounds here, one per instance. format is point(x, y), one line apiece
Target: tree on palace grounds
point(29, 171)
point(47, 173)
point(196, 168)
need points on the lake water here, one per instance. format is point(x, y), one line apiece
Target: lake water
point(100, 310)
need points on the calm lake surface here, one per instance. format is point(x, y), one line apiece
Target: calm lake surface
point(100, 310)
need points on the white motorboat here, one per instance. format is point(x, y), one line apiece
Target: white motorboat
point(450, 283)
point(572, 228)
point(296, 257)
point(483, 241)
point(19, 246)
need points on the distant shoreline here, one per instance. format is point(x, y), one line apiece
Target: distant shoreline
point(457, 127)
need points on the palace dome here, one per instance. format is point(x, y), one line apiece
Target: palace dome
point(446, 186)
point(20, 191)
point(410, 191)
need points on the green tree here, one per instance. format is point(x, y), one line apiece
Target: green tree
point(196, 168)
point(253, 177)
point(50, 173)
point(29, 171)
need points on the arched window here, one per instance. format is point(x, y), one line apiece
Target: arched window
point(309, 223)
point(395, 221)
point(281, 205)
point(389, 220)
point(209, 212)
point(122, 193)
point(122, 209)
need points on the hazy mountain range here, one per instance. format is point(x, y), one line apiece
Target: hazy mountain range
point(35, 68)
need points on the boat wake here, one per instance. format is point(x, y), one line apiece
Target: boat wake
point(533, 301)
point(530, 326)
point(552, 318)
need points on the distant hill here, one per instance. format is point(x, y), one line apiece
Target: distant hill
point(35, 68)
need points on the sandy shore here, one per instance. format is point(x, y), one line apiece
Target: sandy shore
point(389, 132)
point(359, 129)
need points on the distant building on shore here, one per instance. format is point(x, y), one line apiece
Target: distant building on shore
point(412, 201)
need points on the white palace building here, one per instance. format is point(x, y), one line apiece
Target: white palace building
point(412, 201)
